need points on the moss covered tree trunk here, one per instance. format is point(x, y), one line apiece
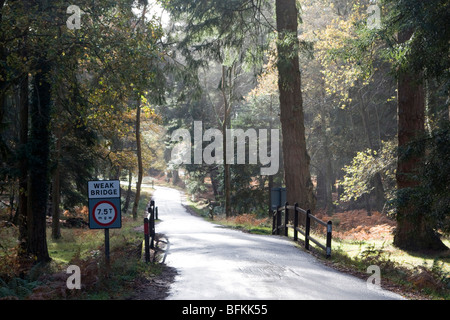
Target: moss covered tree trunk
point(413, 231)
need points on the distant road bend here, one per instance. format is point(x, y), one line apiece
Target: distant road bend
point(216, 263)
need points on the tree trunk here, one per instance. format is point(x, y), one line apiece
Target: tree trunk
point(23, 165)
point(270, 179)
point(376, 180)
point(56, 189)
point(412, 231)
point(138, 143)
point(38, 188)
point(225, 124)
point(328, 168)
point(127, 198)
point(56, 200)
point(448, 103)
point(139, 158)
point(3, 71)
point(299, 187)
point(175, 176)
point(213, 174)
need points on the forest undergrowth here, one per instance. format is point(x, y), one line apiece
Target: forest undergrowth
point(361, 240)
point(23, 279)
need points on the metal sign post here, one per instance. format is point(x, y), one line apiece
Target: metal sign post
point(107, 247)
point(104, 208)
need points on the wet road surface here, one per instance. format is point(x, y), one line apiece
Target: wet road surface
point(216, 263)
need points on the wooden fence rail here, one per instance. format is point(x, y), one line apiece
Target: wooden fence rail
point(278, 225)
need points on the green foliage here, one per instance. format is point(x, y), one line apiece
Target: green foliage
point(436, 178)
point(195, 183)
point(427, 20)
point(209, 27)
point(431, 196)
point(98, 71)
point(17, 287)
point(246, 196)
point(359, 175)
point(212, 35)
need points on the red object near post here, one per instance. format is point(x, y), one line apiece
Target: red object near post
point(146, 241)
point(146, 231)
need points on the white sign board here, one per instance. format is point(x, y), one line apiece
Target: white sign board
point(104, 204)
point(104, 189)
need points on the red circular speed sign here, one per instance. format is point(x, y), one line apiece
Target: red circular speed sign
point(104, 213)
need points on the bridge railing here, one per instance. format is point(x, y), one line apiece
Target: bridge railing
point(149, 229)
point(279, 224)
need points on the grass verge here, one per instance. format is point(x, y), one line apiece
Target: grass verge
point(245, 222)
point(84, 248)
point(415, 275)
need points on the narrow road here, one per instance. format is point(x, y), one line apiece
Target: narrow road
point(217, 263)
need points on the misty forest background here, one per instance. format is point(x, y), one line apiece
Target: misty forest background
point(361, 99)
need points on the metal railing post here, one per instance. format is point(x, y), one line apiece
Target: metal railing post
point(295, 221)
point(329, 231)
point(286, 218)
point(278, 221)
point(152, 224)
point(274, 222)
point(307, 228)
point(278, 224)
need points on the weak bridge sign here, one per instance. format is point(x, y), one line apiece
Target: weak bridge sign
point(104, 204)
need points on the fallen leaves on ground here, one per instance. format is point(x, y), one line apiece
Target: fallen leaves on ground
point(358, 225)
